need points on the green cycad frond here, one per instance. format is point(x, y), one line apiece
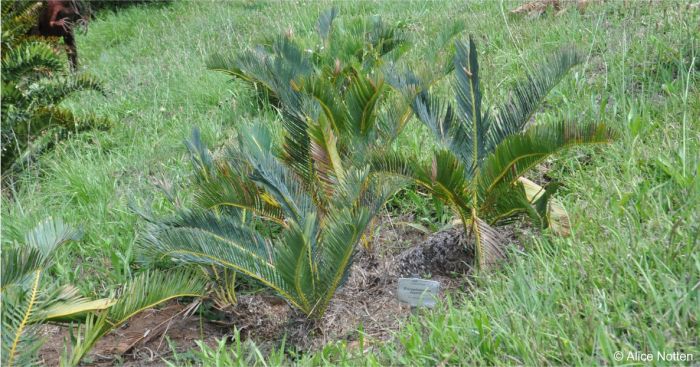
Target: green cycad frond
point(18, 17)
point(29, 136)
point(28, 298)
point(34, 82)
point(342, 230)
point(271, 175)
point(152, 288)
point(385, 42)
point(20, 261)
point(145, 291)
point(450, 131)
point(305, 264)
point(350, 111)
point(230, 246)
point(397, 164)
point(445, 176)
point(449, 179)
point(519, 153)
point(207, 239)
point(50, 91)
point(329, 128)
point(527, 95)
point(361, 101)
point(296, 261)
point(19, 305)
point(268, 70)
point(468, 95)
point(225, 185)
point(29, 58)
point(49, 235)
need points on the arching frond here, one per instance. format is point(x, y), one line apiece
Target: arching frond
point(225, 185)
point(145, 291)
point(271, 175)
point(29, 298)
point(269, 70)
point(39, 129)
point(527, 95)
point(343, 229)
point(361, 102)
point(207, 239)
point(304, 264)
point(30, 58)
point(491, 153)
point(34, 82)
point(519, 153)
point(50, 91)
point(18, 17)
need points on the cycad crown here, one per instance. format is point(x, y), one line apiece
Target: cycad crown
point(362, 44)
point(308, 255)
point(482, 156)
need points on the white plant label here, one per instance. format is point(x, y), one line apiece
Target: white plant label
point(418, 292)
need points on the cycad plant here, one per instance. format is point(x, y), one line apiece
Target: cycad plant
point(324, 135)
point(34, 82)
point(483, 153)
point(29, 296)
point(269, 227)
point(335, 106)
point(360, 44)
point(290, 213)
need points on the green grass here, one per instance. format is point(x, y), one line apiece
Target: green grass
point(626, 280)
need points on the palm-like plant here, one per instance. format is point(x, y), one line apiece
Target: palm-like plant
point(291, 216)
point(326, 132)
point(29, 297)
point(335, 107)
point(309, 252)
point(34, 82)
point(332, 119)
point(482, 156)
point(363, 44)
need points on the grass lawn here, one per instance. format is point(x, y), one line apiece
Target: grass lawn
point(626, 280)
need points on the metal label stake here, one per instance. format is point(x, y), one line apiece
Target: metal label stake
point(418, 292)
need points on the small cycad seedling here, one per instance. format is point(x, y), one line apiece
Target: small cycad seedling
point(483, 154)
